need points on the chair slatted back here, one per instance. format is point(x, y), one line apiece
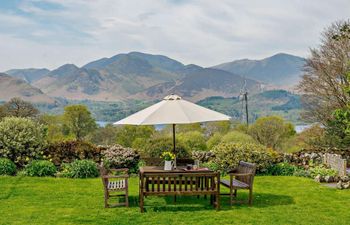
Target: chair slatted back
point(103, 172)
point(245, 167)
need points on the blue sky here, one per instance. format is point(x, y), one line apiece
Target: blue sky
point(49, 33)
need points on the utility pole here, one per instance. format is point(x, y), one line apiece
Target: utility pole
point(246, 107)
point(244, 95)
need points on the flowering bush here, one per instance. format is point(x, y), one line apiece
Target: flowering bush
point(228, 155)
point(21, 140)
point(202, 156)
point(168, 156)
point(119, 157)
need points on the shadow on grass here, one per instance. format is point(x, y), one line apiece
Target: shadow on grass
point(192, 203)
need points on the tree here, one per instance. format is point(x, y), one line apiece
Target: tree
point(55, 128)
point(193, 140)
point(18, 108)
point(237, 137)
point(78, 120)
point(312, 138)
point(182, 128)
point(127, 134)
point(104, 135)
point(271, 131)
point(217, 127)
point(21, 140)
point(323, 83)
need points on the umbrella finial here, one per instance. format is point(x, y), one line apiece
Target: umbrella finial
point(172, 97)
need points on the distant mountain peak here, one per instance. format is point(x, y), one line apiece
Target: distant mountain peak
point(68, 66)
point(64, 69)
point(15, 87)
point(30, 75)
point(281, 69)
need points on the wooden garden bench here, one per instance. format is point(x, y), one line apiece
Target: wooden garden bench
point(154, 181)
point(115, 183)
point(241, 178)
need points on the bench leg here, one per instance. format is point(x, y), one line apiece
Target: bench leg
point(141, 203)
point(231, 196)
point(217, 201)
point(174, 198)
point(126, 199)
point(250, 197)
point(106, 199)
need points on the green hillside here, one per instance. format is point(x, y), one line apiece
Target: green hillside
point(274, 102)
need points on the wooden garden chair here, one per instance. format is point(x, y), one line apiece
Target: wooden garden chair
point(241, 178)
point(113, 183)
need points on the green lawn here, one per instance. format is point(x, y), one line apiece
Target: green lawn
point(277, 200)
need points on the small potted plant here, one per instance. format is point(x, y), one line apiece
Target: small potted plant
point(168, 160)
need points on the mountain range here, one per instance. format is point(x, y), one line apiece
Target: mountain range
point(141, 76)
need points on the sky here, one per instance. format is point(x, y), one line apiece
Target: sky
point(50, 33)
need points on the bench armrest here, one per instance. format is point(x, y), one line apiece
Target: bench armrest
point(241, 174)
point(120, 170)
point(233, 170)
point(116, 176)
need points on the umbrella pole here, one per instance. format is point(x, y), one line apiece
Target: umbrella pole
point(174, 145)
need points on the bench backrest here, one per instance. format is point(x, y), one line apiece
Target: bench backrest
point(181, 183)
point(245, 167)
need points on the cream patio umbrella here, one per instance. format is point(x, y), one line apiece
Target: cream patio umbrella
point(172, 110)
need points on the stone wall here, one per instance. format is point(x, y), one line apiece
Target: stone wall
point(335, 162)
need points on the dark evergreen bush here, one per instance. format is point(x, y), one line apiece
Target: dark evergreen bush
point(69, 151)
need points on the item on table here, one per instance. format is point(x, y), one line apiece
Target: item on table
point(189, 166)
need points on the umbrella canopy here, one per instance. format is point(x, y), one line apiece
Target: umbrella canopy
point(173, 110)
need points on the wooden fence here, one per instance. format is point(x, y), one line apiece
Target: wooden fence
point(335, 162)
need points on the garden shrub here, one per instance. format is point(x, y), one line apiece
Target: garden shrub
point(157, 145)
point(236, 136)
point(214, 140)
point(7, 167)
point(321, 170)
point(119, 157)
point(80, 169)
point(281, 169)
point(40, 168)
point(21, 140)
point(228, 155)
point(301, 172)
point(211, 165)
point(193, 140)
point(69, 151)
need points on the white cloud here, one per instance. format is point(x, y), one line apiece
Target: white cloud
point(204, 32)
